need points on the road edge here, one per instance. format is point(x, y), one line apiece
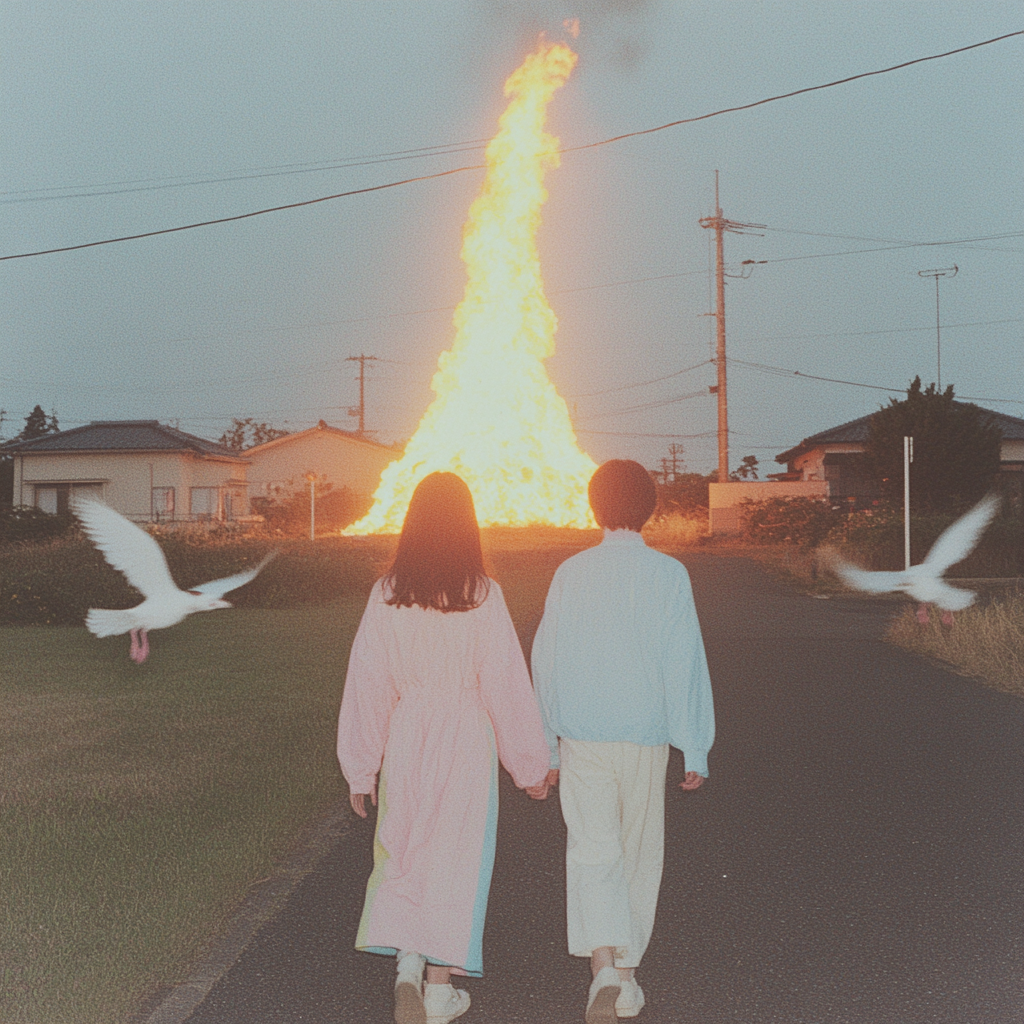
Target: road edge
point(260, 906)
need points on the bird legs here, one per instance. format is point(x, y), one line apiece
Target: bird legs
point(140, 646)
point(923, 617)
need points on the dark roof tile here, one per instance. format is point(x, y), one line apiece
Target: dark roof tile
point(124, 436)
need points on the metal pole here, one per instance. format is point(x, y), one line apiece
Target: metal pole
point(908, 458)
point(312, 507)
point(945, 272)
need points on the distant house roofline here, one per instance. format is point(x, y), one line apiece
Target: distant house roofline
point(122, 436)
point(322, 427)
point(856, 432)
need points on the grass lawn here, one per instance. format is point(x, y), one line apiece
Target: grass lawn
point(139, 803)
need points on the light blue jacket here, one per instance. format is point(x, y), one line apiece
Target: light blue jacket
point(619, 656)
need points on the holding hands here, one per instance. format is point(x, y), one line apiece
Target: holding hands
point(540, 791)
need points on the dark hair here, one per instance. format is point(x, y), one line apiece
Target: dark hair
point(439, 563)
point(622, 495)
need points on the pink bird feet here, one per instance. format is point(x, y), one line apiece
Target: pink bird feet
point(923, 617)
point(139, 651)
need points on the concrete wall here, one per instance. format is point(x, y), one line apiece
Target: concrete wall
point(724, 499)
point(280, 466)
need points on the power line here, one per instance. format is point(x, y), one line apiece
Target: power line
point(243, 216)
point(778, 371)
point(619, 433)
point(649, 405)
point(642, 383)
point(902, 245)
point(476, 167)
point(795, 92)
point(173, 181)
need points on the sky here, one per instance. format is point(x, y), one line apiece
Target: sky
point(127, 117)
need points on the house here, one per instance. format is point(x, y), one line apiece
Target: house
point(141, 468)
point(283, 466)
point(834, 455)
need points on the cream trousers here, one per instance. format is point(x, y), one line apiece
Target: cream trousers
point(613, 802)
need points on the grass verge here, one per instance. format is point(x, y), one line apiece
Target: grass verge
point(985, 642)
point(138, 803)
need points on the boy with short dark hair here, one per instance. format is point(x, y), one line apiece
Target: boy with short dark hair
point(620, 671)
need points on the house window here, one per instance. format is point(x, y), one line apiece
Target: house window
point(47, 498)
point(54, 498)
point(163, 502)
point(204, 502)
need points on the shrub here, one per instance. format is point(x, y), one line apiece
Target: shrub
point(25, 523)
point(55, 583)
point(803, 521)
point(289, 517)
point(686, 496)
point(874, 539)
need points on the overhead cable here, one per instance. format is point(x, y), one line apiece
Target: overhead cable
point(476, 167)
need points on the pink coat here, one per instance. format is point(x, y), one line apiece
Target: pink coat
point(432, 701)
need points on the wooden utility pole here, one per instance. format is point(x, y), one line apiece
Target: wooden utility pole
point(720, 225)
point(361, 411)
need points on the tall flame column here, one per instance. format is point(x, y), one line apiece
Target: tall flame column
point(496, 419)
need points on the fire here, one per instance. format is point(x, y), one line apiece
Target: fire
point(496, 419)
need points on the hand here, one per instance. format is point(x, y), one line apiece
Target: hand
point(540, 791)
point(692, 781)
point(358, 800)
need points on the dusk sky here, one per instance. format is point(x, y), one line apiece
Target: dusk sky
point(123, 118)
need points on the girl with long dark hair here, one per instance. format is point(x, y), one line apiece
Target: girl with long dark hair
point(437, 691)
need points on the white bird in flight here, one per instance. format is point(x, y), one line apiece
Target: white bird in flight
point(924, 582)
point(132, 551)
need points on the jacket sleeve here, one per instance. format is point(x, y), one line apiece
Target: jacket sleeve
point(509, 698)
point(542, 661)
point(369, 698)
point(688, 698)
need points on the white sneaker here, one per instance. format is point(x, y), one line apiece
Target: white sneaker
point(443, 1003)
point(409, 990)
point(604, 990)
point(631, 999)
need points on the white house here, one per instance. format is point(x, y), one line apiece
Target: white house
point(283, 466)
point(141, 468)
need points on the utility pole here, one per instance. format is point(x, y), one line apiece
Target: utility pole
point(944, 272)
point(720, 225)
point(361, 410)
point(676, 451)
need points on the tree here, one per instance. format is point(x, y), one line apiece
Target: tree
point(247, 433)
point(747, 469)
point(37, 424)
point(956, 449)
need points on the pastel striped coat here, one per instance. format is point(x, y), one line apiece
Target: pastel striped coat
point(433, 700)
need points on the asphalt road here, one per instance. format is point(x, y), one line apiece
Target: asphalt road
point(856, 856)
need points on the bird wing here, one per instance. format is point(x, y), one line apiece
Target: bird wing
point(938, 591)
point(872, 582)
point(218, 588)
point(957, 541)
point(127, 547)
